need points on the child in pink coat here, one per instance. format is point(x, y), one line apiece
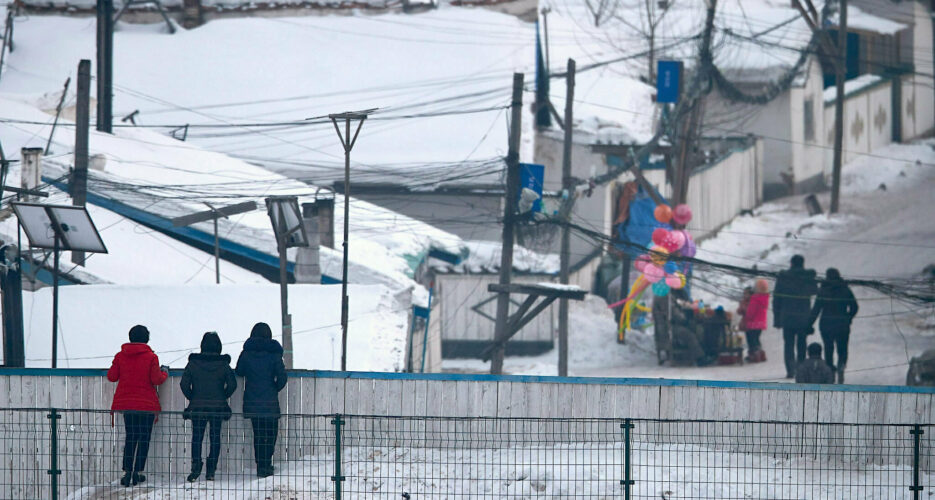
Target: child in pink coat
point(754, 320)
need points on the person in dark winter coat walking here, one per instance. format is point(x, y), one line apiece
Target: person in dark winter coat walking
point(837, 306)
point(207, 383)
point(137, 373)
point(814, 370)
point(792, 304)
point(261, 366)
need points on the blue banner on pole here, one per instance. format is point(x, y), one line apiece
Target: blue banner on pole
point(668, 81)
point(531, 177)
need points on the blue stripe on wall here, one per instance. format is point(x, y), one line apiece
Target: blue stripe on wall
point(655, 382)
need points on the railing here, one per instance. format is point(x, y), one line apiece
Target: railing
point(77, 454)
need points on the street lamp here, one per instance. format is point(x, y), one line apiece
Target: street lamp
point(287, 224)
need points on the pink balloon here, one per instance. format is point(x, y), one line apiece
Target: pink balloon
point(673, 281)
point(653, 273)
point(679, 238)
point(682, 214)
point(659, 235)
point(670, 243)
point(641, 262)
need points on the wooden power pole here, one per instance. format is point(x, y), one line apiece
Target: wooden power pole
point(565, 252)
point(79, 179)
point(840, 76)
point(509, 219)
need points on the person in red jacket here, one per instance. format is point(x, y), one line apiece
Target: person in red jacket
point(137, 373)
point(754, 320)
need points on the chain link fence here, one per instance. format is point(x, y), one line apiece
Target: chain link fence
point(78, 454)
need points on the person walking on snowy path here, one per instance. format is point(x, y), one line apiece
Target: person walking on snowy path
point(814, 370)
point(792, 304)
point(261, 366)
point(137, 373)
point(207, 383)
point(837, 306)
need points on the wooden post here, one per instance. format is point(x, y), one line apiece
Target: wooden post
point(105, 65)
point(509, 209)
point(79, 181)
point(840, 76)
point(565, 254)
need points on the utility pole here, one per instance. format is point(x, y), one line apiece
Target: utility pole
point(348, 143)
point(568, 188)
point(58, 113)
point(840, 75)
point(79, 180)
point(105, 65)
point(509, 209)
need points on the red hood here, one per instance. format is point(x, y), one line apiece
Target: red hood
point(135, 349)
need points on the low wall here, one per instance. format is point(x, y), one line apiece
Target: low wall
point(404, 394)
point(89, 446)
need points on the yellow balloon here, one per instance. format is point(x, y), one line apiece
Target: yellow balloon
point(659, 255)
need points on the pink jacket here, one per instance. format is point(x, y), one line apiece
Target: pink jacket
point(755, 318)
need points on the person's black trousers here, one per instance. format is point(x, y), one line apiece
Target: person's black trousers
point(199, 424)
point(794, 340)
point(753, 340)
point(836, 338)
point(139, 430)
point(265, 432)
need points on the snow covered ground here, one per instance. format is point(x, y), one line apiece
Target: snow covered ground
point(94, 321)
point(879, 234)
point(543, 471)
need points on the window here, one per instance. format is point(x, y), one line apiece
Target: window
point(809, 116)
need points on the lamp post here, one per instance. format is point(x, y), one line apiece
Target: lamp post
point(290, 232)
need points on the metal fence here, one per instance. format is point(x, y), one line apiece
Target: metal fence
point(77, 454)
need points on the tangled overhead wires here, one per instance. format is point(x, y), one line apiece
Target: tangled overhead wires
point(915, 291)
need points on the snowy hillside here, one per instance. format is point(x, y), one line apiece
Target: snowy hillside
point(95, 320)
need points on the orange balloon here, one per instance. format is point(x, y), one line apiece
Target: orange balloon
point(663, 213)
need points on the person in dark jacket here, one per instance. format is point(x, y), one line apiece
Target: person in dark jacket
point(837, 306)
point(137, 373)
point(814, 370)
point(261, 366)
point(792, 304)
point(207, 383)
point(661, 327)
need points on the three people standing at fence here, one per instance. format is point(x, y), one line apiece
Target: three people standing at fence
point(792, 304)
point(837, 307)
point(137, 373)
point(261, 366)
point(207, 383)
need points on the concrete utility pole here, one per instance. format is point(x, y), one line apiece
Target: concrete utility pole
point(840, 76)
point(105, 65)
point(568, 187)
point(79, 180)
point(509, 209)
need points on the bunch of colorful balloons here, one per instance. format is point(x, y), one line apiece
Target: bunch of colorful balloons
point(655, 267)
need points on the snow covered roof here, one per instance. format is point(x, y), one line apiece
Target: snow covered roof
point(441, 80)
point(484, 257)
point(851, 86)
point(861, 20)
point(160, 175)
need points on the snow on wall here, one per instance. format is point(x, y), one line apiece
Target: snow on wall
point(95, 320)
point(867, 122)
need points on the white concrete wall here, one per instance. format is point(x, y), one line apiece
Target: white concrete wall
point(867, 123)
point(717, 193)
point(923, 116)
point(458, 293)
point(808, 155)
